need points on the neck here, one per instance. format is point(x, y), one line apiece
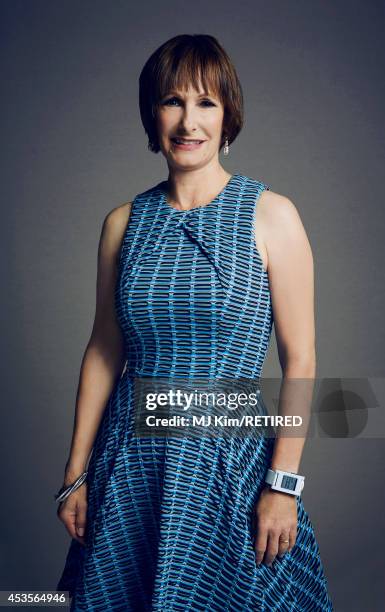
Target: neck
point(186, 189)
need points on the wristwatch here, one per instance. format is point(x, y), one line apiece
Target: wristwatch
point(287, 482)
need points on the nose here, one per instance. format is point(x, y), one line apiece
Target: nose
point(189, 118)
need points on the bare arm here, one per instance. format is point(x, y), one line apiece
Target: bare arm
point(287, 255)
point(291, 279)
point(104, 359)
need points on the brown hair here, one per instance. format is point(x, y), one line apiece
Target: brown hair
point(186, 59)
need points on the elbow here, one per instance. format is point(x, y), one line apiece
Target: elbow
point(300, 365)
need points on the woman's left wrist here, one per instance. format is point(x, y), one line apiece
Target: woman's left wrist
point(285, 468)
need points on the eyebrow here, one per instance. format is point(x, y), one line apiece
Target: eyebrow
point(203, 95)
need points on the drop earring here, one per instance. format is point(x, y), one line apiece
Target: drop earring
point(226, 147)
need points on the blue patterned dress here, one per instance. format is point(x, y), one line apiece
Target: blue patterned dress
point(169, 519)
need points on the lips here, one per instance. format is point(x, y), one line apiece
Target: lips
point(186, 141)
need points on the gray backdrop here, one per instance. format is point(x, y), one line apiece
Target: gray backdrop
point(73, 148)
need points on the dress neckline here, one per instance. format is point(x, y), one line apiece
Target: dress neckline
point(215, 200)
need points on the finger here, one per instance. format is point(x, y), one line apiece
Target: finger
point(68, 516)
point(292, 538)
point(80, 522)
point(71, 528)
point(272, 547)
point(283, 543)
point(260, 544)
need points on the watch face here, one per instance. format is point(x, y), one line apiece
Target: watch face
point(289, 482)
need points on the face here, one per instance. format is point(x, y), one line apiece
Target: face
point(193, 116)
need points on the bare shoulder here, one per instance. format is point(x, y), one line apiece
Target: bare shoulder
point(277, 214)
point(114, 225)
point(117, 218)
point(276, 208)
point(278, 225)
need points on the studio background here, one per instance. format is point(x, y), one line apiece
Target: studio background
point(73, 148)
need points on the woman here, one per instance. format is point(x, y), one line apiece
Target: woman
point(191, 275)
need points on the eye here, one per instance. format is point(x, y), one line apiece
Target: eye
point(167, 102)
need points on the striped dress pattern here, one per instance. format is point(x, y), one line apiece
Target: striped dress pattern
point(169, 518)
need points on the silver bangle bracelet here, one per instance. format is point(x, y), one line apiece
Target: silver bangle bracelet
point(66, 491)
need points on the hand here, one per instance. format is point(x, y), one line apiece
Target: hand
point(73, 512)
point(274, 519)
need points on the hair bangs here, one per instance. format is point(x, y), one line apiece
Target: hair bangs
point(195, 69)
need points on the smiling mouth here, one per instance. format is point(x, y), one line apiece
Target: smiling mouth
point(186, 141)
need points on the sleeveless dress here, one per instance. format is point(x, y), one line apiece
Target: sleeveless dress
point(169, 519)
